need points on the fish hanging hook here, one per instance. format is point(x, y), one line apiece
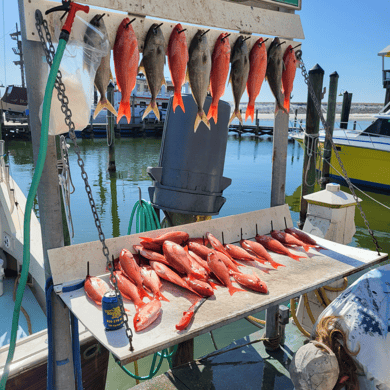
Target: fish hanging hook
point(225, 37)
point(184, 29)
point(201, 35)
point(263, 42)
point(285, 222)
point(223, 239)
point(157, 27)
point(272, 226)
point(241, 234)
point(131, 21)
point(87, 268)
point(256, 230)
point(245, 39)
point(293, 48)
point(98, 19)
point(281, 43)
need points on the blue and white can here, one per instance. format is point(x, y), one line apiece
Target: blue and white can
point(112, 316)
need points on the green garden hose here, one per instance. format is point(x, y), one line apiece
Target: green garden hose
point(146, 217)
point(30, 202)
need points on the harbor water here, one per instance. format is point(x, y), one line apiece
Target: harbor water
point(248, 163)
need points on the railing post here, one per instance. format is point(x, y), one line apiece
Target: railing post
point(330, 118)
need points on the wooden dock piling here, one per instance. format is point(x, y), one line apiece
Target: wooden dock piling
point(316, 76)
point(345, 109)
point(330, 118)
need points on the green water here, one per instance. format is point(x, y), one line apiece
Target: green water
point(248, 164)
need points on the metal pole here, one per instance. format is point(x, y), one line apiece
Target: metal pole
point(111, 130)
point(316, 76)
point(346, 108)
point(49, 203)
point(330, 118)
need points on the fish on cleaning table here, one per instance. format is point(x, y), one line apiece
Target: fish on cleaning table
point(220, 61)
point(103, 72)
point(275, 246)
point(288, 75)
point(275, 67)
point(177, 62)
point(199, 249)
point(147, 315)
point(239, 74)
point(252, 282)
point(217, 245)
point(256, 249)
point(257, 69)
point(129, 290)
point(95, 288)
point(199, 68)
point(201, 287)
point(152, 65)
point(189, 314)
point(150, 255)
point(177, 236)
point(126, 58)
point(152, 282)
point(288, 239)
point(303, 237)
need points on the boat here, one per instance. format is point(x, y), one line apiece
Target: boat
point(365, 154)
point(14, 99)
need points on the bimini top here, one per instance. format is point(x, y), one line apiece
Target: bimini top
point(385, 52)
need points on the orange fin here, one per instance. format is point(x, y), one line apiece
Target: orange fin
point(295, 257)
point(124, 110)
point(250, 111)
point(161, 297)
point(104, 103)
point(213, 113)
point(178, 101)
point(143, 293)
point(286, 104)
point(147, 239)
point(276, 265)
point(233, 289)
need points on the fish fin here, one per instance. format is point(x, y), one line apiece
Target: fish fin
point(276, 265)
point(213, 113)
point(147, 239)
point(233, 289)
point(187, 79)
point(178, 101)
point(306, 248)
point(212, 284)
point(152, 107)
point(250, 111)
point(201, 117)
point(104, 104)
point(230, 78)
point(124, 110)
point(143, 293)
point(236, 114)
point(286, 103)
point(161, 297)
point(141, 68)
point(295, 257)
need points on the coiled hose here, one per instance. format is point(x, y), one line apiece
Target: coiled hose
point(29, 205)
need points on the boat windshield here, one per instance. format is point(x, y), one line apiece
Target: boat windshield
point(381, 127)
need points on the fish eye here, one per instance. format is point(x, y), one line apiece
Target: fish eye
point(137, 319)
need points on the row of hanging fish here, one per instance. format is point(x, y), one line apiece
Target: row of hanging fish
point(195, 264)
point(205, 71)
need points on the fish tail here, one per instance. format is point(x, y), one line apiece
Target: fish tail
point(147, 239)
point(276, 265)
point(295, 257)
point(201, 117)
point(250, 111)
point(286, 103)
point(143, 293)
point(152, 107)
point(178, 101)
point(306, 248)
point(104, 104)
point(124, 110)
point(213, 112)
point(236, 114)
point(161, 297)
point(233, 289)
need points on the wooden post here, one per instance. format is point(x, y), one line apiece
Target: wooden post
point(316, 76)
point(49, 203)
point(111, 130)
point(295, 118)
point(257, 123)
point(330, 118)
point(354, 125)
point(346, 108)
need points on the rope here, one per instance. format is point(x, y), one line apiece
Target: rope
point(337, 289)
point(294, 316)
point(21, 307)
point(254, 319)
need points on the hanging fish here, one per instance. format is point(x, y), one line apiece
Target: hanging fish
point(288, 75)
point(199, 67)
point(275, 67)
point(239, 74)
point(103, 73)
point(126, 58)
point(257, 69)
point(220, 60)
point(177, 62)
point(152, 65)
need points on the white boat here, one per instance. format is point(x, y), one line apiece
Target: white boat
point(364, 153)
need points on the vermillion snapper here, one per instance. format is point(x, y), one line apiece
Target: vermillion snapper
point(199, 67)
point(177, 61)
point(103, 73)
point(152, 65)
point(239, 74)
point(288, 75)
point(275, 67)
point(126, 58)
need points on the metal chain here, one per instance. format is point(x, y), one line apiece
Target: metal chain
point(59, 85)
point(318, 108)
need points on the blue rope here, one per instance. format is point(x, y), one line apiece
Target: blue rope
point(76, 351)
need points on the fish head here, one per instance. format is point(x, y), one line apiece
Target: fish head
point(155, 36)
point(224, 40)
point(178, 27)
point(97, 21)
point(262, 287)
point(147, 315)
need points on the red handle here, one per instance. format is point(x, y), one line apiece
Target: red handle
point(74, 7)
point(185, 320)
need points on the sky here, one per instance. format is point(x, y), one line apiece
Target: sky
point(340, 35)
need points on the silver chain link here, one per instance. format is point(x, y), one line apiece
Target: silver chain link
point(318, 108)
point(59, 85)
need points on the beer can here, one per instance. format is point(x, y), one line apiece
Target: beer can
point(112, 316)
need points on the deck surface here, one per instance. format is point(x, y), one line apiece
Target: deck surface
point(296, 278)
